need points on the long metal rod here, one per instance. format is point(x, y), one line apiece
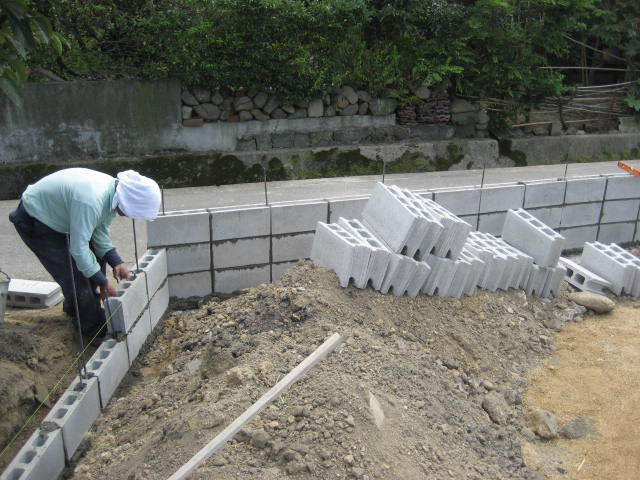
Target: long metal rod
point(264, 180)
point(162, 196)
point(81, 364)
point(135, 246)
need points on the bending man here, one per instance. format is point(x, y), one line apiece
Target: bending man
point(69, 213)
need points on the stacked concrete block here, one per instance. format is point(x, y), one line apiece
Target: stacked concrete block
point(154, 265)
point(585, 189)
point(459, 201)
point(531, 236)
point(622, 186)
point(582, 278)
point(188, 258)
point(236, 279)
point(298, 217)
point(286, 248)
point(195, 284)
point(109, 364)
point(495, 201)
point(137, 335)
point(179, 228)
point(75, 412)
point(455, 231)
point(575, 238)
point(240, 222)
point(33, 294)
point(41, 458)
point(131, 301)
point(159, 304)
point(347, 207)
point(400, 272)
point(615, 265)
point(443, 271)
point(544, 193)
point(616, 232)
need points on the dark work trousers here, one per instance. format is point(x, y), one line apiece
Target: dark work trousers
point(51, 249)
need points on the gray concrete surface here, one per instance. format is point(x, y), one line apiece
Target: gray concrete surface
point(18, 261)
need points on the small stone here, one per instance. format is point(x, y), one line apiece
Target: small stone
point(271, 105)
point(203, 95)
point(259, 115)
point(316, 108)
point(330, 111)
point(278, 113)
point(350, 94)
point(496, 407)
point(593, 301)
point(376, 410)
point(260, 99)
point(245, 116)
point(423, 92)
point(340, 102)
point(189, 99)
point(349, 460)
point(208, 111)
point(543, 423)
point(364, 96)
point(350, 421)
point(242, 103)
point(260, 438)
point(556, 129)
point(349, 110)
point(217, 98)
point(186, 112)
point(288, 108)
point(239, 375)
point(578, 428)
point(363, 108)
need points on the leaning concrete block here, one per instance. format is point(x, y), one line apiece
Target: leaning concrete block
point(347, 207)
point(417, 281)
point(236, 279)
point(620, 210)
point(41, 458)
point(33, 294)
point(159, 304)
point(400, 271)
point(154, 265)
point(582, 278)
point(492, 223)
point(551, 217)
point(188, 258)
point(296, 217)
point(576, 237)
point(442, 272)
point(632, 263)
point(501, 197)
point(109, 364)
point(585, 189)
point(291, 247)
point(195, 284)
point(544, 193)
point(476, 271)
point(179, 228)
point(538, 277)
point(240, 253)
point(459, 201)
point(531, 236)
point(279, 269)
point(451, 239)
point(128, 305)
point(622, 186)
point(553, 284)
point(239, 222)
point(599, 259)
point(75, 412)
point(137, 335)
point(616, 232)
point(471, 220)
point(581, 215)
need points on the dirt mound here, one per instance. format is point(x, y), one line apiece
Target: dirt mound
point(424, 388)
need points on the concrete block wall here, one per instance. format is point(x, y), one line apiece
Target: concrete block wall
point(140, 305)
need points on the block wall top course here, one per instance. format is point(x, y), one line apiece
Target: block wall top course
point(581, 215)
point(109, 363)
point(132, 299)
point(585, 189)
point(240, 222)
point(500, 198)
point(179, 228)
point(545, 193)
point(459, 202)
point(154, 265)
point(297, 217)
point(41, 458)
point(622, 186)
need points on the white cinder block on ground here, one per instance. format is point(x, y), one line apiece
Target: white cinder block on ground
point(195, 284)
point(471, 220)
point(544, 193)
point(137, 335)
point(154, 264)
point(279, 269)
point(109, 364)
point(451, 240)
point(418, 280)
point(33, 294)
point(291, 247)
point(348, 207)
point(235, 279)
point(188, 258)
point(581, 215)
point(159, 304)
point(553, 284)
point(128, 305)
point(531, 236)
point(582, 278)
point(179, 228)
point(492, 223)
point(549, 216)
point(239, 222)
point(616, 232)
point(400, 271)
point(461, 201)
point(585, 189)
point(576, 237)
point(295, 217)
point(442, 272)
point(622, 186)
point(499, 198)
point(242, 252)
point(75, 412)
point(538, 277)
point(41, 458)
point(476, 271)
point(608, 264)
point(620, 210)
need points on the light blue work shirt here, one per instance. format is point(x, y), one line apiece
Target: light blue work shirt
point(76, 201)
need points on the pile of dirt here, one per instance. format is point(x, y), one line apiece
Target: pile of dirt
point(36, 347)
point(424, 388)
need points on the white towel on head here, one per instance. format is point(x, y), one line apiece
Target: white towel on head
point(137, 196)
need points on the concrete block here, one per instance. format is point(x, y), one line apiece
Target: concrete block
point(622, 186)
point(580, 215)
point(75, 412)
point(128, 305)
point(585, 189)
point(400, 271)
point(549, 216)
point(109, 364)
point(348, 207)
point(188, 258)
point(471, 220)
point(620, 210)
point(538, 277)
point(500, 198)
point(179, 228)
point(235, 279)
point(195, 284)
point(633, 263)
point(41, 458)
point(531, 236)
point(616, 232)
point(582, 278)
point(492, 223)
point(425, 194)
point(239, 222)
point(607, 264)
point(475, 272)
point(553, 284)
point(417, 281)
point(279, 269)
point(450, 240)
point(291, 247)
point(637, 235)
point(544, 193)
point(33, 294)
point(159, 304)
point(576, 237)
point(242, 252)
point(442, 272)
point(137, 335)
point(462, 201)
point(295, 217)
point(154, 265)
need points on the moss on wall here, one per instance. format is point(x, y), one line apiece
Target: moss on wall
point(505, 148)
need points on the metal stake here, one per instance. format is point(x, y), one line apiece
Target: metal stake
point(81, 365)
point(135, 246)
point(384, 169)
point(481, 186)
point(162, 196)
point(566, 165)
point(264, 178)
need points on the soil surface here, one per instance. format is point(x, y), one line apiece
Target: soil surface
point(428, 388)
point(36, 347)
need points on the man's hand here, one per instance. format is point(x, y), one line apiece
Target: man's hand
point(121, 272)
point(107, 290)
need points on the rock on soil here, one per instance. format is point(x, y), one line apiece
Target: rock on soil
point(543, 423)
point(593, 301)
point(428, 388)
